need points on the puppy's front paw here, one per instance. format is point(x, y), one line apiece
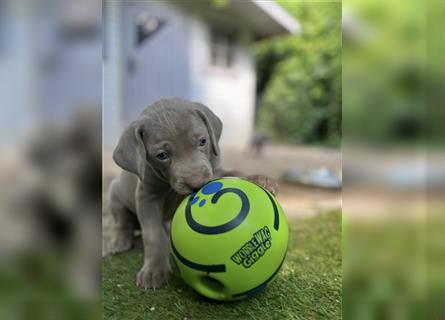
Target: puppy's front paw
point(152, 277)
point(265, 182)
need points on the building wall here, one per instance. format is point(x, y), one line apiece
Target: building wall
point(173, 62)
point(136, 76)
point(159, 67)
point(230, 93)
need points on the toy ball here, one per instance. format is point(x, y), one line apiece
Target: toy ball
point(229, 239)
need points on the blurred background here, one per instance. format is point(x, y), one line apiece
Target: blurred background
point(50, 159)
point(393, 160)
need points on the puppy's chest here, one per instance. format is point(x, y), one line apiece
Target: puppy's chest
point(171, 203)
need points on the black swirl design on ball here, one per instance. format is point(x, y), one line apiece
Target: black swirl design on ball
point(276, 221)
point(196, 226)
point(260, 288)
point(197, 266)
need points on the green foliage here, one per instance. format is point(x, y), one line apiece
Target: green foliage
point(384, 47)
point(219, 3)
point(299, 77)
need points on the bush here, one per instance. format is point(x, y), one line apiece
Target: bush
point(299, 78)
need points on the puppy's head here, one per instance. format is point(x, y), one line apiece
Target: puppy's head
point(173, 141)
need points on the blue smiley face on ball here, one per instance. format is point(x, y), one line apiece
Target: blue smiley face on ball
point(208, 189)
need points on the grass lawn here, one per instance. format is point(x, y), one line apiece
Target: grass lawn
point(309, 285)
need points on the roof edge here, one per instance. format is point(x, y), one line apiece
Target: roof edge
point(279, 14)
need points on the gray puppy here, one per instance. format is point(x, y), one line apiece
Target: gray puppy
point(170, 150)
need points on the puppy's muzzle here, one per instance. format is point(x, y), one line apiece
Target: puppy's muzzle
point(196, 182)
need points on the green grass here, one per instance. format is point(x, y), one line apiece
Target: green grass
point(308, 286)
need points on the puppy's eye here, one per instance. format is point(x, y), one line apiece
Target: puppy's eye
point(162, 156)
point(202, 142)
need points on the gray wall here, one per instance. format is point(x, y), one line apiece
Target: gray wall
point(160, 64)
point(136, 76)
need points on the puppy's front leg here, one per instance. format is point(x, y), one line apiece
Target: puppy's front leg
point(156, 268)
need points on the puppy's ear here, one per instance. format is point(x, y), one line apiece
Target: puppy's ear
point(213, 124)
point(130, 153)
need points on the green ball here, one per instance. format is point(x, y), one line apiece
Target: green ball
point(229, 239)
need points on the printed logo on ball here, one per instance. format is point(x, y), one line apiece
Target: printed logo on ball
point(253, 249)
